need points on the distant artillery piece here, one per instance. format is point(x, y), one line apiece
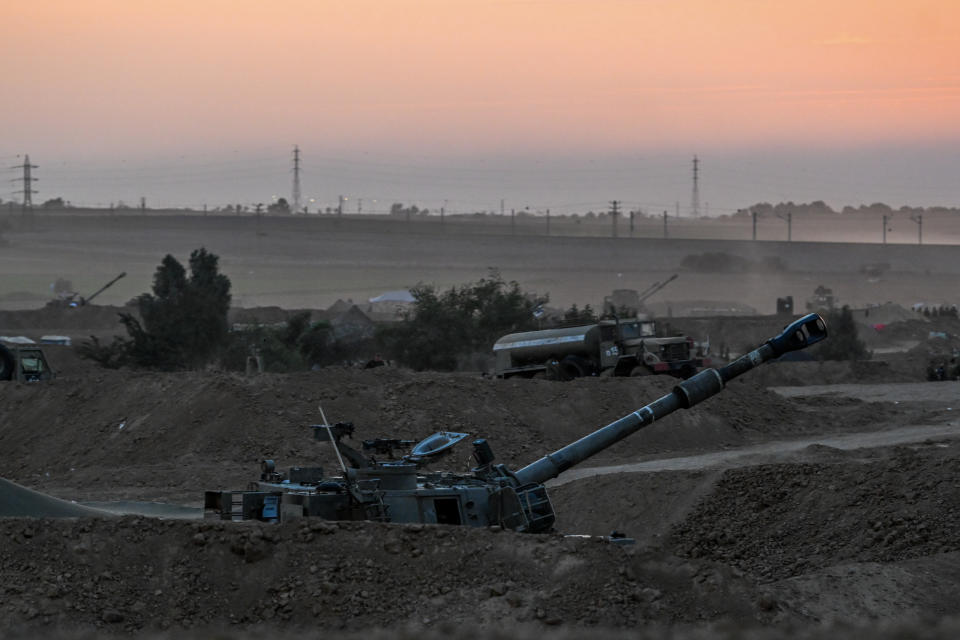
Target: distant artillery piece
point(74, 299)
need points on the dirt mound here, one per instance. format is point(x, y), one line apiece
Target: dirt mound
point(785, 520)
point(945, 629)
point(119, 434)
point(643, 506)
point(134, 573)
point(884, 314)
point(940, 348)
point(832, 535)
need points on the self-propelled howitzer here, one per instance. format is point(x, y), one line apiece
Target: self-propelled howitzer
point(491, 494)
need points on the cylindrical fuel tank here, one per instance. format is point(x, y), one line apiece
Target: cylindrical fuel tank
point(537, 346)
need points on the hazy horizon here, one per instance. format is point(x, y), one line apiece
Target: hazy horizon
point(563, 104)
point(564, 184)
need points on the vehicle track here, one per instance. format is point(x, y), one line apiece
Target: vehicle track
point(762, 453)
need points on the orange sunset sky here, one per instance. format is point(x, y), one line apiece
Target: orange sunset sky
point(99, 83)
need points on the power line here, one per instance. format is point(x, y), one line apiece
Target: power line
point(27, 180)
point(695, 200)
point(614, 214)
point(296, 179)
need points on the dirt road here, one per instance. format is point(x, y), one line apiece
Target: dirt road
point(771, 451)
point(945, 394)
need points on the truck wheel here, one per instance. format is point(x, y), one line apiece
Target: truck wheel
point(6, 363)
point(574, 367)
point(553, 370)
point(640, 370)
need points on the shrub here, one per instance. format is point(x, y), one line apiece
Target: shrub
point(182, 324)
point(462, 320)
point(296, 346)
point(843, 342)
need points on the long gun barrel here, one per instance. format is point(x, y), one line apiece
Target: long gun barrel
point(103, 288)
point(802, 333)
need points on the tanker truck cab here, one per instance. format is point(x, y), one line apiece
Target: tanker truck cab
point(617, 337)
point(636, 330)
point(611, 344)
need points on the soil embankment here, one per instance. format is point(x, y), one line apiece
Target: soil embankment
point(786, 537)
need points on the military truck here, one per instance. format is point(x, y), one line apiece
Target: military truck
point(24, 363)
point(610, 347)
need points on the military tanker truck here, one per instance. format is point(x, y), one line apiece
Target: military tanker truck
point(400, 490)
point(610, 347)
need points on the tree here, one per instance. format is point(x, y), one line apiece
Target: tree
point(280, 206)
point(574, 316)
point(184, 321)
point(844, 342)
point(460, 321)
point(296, 346)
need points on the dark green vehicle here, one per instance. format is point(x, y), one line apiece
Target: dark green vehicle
point(610, 347)
point(25, 363)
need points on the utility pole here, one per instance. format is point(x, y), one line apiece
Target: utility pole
point(443, 211)
point(296, 179)
point(513, 221)
point(614, 213)
point(695, 199)
point(28, 181)
point(919, 220)
point(753, 214)
point(665, 236)
point(548, 222)
point(340, 205)
point(884, 229)
point(789, 219)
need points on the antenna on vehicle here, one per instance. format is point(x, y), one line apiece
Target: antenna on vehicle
point(333, 441)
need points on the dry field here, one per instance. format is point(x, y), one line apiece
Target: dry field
point(310, 263)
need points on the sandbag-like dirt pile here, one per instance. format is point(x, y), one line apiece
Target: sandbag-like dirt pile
point(784, 520)
point(825, 536)
point(119, 434)
point(136, 573)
